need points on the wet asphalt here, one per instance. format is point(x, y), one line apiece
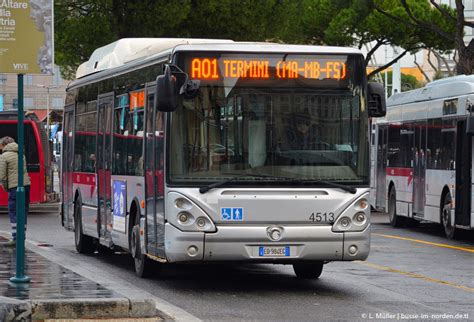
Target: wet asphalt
point(411, 274)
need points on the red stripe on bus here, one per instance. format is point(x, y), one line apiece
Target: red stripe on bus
point(83, 178)
point(401, 172)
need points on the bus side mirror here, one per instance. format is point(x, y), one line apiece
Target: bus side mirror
point(376, 100)
point(165, 96)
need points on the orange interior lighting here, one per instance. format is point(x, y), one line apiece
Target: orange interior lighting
point(137, 99)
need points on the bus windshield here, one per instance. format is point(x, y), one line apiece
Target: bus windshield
point(296, 116)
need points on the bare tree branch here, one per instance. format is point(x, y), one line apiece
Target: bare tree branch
point(393, 61)
point(443, 11)
point(445, 62)
point(421, 70)
point(379, 43)
point(424, 25)
point(435, 68)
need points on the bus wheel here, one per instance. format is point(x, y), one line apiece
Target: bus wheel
point(142, 262)
point(308, 270)
point(84, 244)
point(395, 220)
point(449, 229)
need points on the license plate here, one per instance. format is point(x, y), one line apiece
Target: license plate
point(274, 251)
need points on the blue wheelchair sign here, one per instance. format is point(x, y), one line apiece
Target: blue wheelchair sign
point(232, 214)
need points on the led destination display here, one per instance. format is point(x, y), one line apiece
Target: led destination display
point(205, 68)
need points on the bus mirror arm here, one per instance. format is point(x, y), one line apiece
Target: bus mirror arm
point(376, 100)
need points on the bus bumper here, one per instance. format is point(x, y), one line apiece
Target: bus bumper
point(240, 243)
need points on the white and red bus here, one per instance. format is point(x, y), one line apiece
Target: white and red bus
point(192, 150)
point(37, 154)
point(422, 156)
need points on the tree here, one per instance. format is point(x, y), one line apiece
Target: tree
point(451, 31)
point(409, 82)
point(361, 22)
point(84, 25)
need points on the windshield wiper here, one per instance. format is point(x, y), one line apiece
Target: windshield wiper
point(349, 189)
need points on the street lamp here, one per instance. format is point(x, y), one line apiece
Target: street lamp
point(47, 87)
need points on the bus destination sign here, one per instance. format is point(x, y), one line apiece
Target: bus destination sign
point(260, 69)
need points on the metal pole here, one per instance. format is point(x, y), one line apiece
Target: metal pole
point(20, 196)
point(47, 114)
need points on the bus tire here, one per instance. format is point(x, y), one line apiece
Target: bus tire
point(143, 265)
point(446, 213)
point(84, 244)
point(395, 220)
point(308, 270)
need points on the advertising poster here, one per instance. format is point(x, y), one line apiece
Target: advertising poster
point(120, 205)
point(26, 36)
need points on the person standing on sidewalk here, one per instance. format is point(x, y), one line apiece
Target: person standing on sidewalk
point(9, 180)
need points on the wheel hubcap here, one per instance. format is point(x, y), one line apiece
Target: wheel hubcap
point(447, 219)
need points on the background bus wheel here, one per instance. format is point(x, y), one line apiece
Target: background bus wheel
point(395, 220)
point(449, 229)
point(84, 244)
point(141, 261)
point(308, 270)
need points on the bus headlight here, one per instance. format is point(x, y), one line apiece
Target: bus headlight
point(185, 215)
point(343, 223)
point(354, 218)
point(359, 218)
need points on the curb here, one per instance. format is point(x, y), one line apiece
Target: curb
point(140, 304)
point(26, 310)
point(14, 310)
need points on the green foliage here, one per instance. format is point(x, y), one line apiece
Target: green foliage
point(84, 25)
point(409, 82)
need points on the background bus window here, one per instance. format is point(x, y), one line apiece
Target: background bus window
point(127, 142)
point(448, 148)
point(394, 157)
point(31, 146)
point(434, 144)
point(406, 146)
point(85, 142)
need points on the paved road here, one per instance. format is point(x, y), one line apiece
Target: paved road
point(411, 273)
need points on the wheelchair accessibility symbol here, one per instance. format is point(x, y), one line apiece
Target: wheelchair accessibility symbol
point(232, 214)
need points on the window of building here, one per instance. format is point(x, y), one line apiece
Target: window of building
point(28, 102)
point(57, 79)
point(28, 80)
point(58, 102)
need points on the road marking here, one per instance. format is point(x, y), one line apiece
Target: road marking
point(465, 249)
point(419, 276)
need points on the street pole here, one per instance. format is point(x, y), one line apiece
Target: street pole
point(47, 114)
point(20, 196)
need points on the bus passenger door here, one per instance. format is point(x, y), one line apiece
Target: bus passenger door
point(66, 164)
point(381, 184)
point(419, 169)
point(463, 176)
point(103, 166)
point(151, 210)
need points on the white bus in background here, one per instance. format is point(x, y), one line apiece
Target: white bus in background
point(244, 152)
point(422, 156)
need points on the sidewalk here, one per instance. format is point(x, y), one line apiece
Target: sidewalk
point(58, 293)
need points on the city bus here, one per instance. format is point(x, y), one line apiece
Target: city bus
point(185, 150)
point(37, 154)
point(422, 156)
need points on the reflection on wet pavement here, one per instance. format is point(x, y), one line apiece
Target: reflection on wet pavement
point(48, 280)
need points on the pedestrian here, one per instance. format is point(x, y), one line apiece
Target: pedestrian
point(9, 180)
